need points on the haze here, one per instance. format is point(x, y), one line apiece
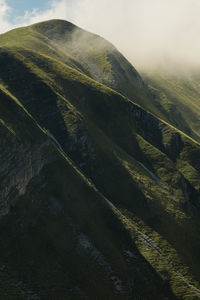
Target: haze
point(147, 32)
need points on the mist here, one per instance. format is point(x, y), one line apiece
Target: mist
point(148, 32)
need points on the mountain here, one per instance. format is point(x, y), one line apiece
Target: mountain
point(177, 90)
point(100, 189)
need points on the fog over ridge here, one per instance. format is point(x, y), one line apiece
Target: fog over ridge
point(147, 32)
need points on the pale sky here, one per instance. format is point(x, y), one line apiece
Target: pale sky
point(146, 31)
point(19, 7)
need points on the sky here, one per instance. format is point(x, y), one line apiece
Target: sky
point(145, 31)
point(19, 7)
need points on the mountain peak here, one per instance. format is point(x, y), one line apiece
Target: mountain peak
point(54, 27)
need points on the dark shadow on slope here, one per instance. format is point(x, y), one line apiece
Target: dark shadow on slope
point(33, 93)
point(41, 244)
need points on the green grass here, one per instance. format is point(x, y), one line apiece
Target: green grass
point(179, 95)
point(162, 257)
point(146, 167)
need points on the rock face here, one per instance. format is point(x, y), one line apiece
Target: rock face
point(19, 164)
point(22, 156)
point(99, 199)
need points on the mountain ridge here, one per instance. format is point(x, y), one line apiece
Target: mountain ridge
point(145, 167)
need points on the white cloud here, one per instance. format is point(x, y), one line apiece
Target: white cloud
point(146, 31)
point(57, 10)
point(4, 11)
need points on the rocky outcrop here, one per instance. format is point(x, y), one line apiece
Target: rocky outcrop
point(20, 162)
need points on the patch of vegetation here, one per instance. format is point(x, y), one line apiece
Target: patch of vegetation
point(97, 143)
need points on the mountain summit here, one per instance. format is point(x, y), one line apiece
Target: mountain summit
point(99, 188)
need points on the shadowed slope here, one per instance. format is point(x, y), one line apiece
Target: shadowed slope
point(148, 169)
point(61, 237)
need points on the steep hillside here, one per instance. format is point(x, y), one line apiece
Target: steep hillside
point(59, 236)
point(99, 198)
point(178, 91)
point(100, 60)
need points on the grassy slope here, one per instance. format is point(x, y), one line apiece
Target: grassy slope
point(179, 94)
point(118, 140)
point(164, 97)
point(41, 251)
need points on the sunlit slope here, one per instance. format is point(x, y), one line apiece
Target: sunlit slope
point(103, 62)
point(92, 55)
point(148, 169)
point(78, 48)
point(100, 60)
point(88, 53)
point(178, 92)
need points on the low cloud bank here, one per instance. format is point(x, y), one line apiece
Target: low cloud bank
point(148, 32)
